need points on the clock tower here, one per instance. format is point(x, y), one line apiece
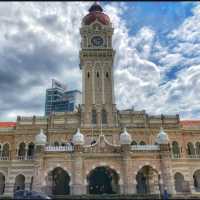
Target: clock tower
point(96, 63)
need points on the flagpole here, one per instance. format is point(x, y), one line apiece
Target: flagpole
point(92, 132)
point(101, 126)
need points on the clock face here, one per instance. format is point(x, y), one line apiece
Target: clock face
point(97, 41)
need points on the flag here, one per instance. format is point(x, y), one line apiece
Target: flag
point(57, 84)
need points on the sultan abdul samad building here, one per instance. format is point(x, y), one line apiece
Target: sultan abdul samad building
point(99, 149)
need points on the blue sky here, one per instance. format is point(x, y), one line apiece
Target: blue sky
point(157, 62)
point(161, 16)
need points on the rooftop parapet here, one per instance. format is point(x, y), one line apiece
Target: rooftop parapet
point(7, 126)
point(190, 124)
point(37, 120)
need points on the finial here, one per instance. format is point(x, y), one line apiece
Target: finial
point(95, 7)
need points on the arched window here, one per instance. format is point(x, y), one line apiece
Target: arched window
point(94, 117)
point(85, 41)
point(190, 148)
point(56, 143)
point(142, 143)
point(5, 151)
point(107, 74)
point(88, 74)
point(63, 144)
point(175, 149)
point(22, 151)
point(104, 116)
point(197, 148)
point(133, 143)
point(96, 27)
point(109, 41)
point(30, 152)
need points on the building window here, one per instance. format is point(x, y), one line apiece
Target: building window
point(88, 74)
point(175, 149)
point(107, 74)
point(191, 150)
point(63, 144)
point(56, 143)
point(30, 152)
point(133, 143)
point(85, 41)
point(71, 107)
point(97, 74)
point(197, 148)
point(22, 151)
point(5, 151)
point(104, 116)
point(142, 143)
point(94, 117)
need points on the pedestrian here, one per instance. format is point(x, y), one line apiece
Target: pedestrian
point(165, 195)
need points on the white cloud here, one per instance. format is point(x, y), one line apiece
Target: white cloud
point(40, 41)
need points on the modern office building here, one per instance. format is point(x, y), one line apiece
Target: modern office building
point(60, 100)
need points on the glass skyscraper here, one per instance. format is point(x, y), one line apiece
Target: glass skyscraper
point(60, 100)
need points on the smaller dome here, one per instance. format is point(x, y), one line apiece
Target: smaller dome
point(162, 137)
point(78, 138)
point(41, 138)
point(125, 137)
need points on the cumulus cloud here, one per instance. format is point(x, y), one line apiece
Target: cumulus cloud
point(41, 40)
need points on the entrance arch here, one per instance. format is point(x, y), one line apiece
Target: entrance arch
point(103, 180)
point(58, 182)
point(147, 181)
point(196, 178)
point(2, 183)
point(179, 180)
point(19, 182)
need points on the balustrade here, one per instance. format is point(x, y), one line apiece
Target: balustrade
point(68, 148)
point(4, 158)
point(193, 156)
point(145, 147)
point(175, 156)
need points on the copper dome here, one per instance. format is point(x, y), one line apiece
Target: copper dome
point(96, 12)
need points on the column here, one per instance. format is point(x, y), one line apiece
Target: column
point(166, 169)
point(9, 188)
point(26, 152)
point(78, 187)
point(127, 187)
point(17, 150)
point(38, 179)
